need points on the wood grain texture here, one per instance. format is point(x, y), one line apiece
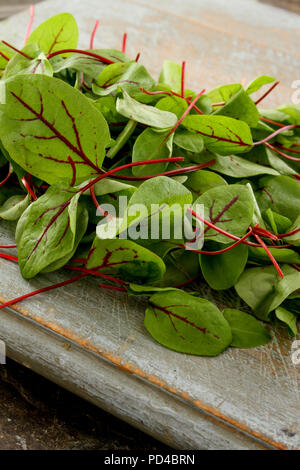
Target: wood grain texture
point(242, 399)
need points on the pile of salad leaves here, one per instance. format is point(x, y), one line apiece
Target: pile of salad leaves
point(81, 128)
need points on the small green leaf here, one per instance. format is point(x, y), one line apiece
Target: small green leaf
point(222, 271)
point(221, 134)
point(46, 231)
point(129, 260)
point(130, 76)
point(14, 207)
point(144, 113)
point(171, 75)
point(247, 332)
point(241, 107)
point(187, 324)
point(151, 145)
point(189, 141)
point(56, 33)
point(289, 318)
point(256, 84)
point(228, 207)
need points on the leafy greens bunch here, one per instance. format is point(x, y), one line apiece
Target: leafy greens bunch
point(81, 128)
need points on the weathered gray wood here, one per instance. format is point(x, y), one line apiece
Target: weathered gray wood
point(94, 342)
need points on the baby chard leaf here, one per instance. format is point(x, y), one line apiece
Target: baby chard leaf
point(247, 332)
point(51, 130)
point(144, 113)
point(46, 232)
point(229, 208)
point(187, 323)
point(263, 290)
point(171, 75)
point(14, 207)
point(221, 134)
point(222, 271)
point(241, 107)
point(130, 76)
point(127, 259)
point(56, 33)
point(256, 84)
point(149, 145)
point(289, 318)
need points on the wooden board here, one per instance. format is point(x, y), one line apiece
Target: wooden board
point(94, 342)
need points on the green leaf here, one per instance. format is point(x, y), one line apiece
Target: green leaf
point(282, 255)
point(37, 63)
point(173, 104)
point(263, 290)
point(229, 208)
point(238, 167)
point(144, 113)
point(201, 181)
point(130, 76)
point(171, 75)
point(278, 223)
point(45, 122)
point(56, 33)
point(187, 324)
point(222, 271)
point(281, 194)
point(46, 232)
point(289, 318)
point(162, 191)
point(256, 84)
point(14, 207)
point(189, 141)
point(127, 259)
point(294, 239)
point(224, 92)
point(247, 332)
point(221, 134)
point(107, 106)
point(241, 107)
point(150, 145)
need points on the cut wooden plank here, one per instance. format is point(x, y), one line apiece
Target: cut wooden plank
point(94, 342)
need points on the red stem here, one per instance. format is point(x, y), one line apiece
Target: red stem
point(4, 56)
point(182, 78)
point(184, 114)
point(124, 43)
point(272, 122)
point(267, 93)
point(93, 34)
point(138, 56)
point(30, 23)
point(8, 257)
point(95, 273)
point(264, 246)
point(288, 149)
point(79, 51)
point(288, 234)
point(43, 289)
point(7, 177)
point(295, 159)
point(285, 128)
point(178, 171)
point(170, 93)
point(8, 246)
point(129, 165)
point(28, 188)
point(17, 50)
point(105, 286)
